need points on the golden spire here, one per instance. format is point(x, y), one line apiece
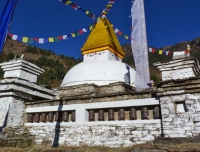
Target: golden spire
point(102, 38)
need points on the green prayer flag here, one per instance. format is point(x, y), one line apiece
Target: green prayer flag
point(30, 40)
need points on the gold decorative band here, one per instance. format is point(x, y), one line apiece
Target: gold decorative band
point(102, 49)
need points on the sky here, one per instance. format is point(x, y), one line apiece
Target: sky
point(167, 21)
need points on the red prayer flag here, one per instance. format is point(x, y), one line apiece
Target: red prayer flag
point(170, 53)
point(119, 33)
point(74, 5)
point(60, 37)
point(36, 39)
point(10, 34)
point(186, 51)
point(153, 50)
point(80, 32)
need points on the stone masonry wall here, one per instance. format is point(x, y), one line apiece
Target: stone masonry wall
point(181, 124)
point(96, 135)
point(16, 110)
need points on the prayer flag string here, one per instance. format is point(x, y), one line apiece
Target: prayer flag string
point(25, 39)
point(108, 7)
point(76, 7)
point(166, 52)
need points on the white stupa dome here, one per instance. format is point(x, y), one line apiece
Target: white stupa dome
point(100, 72)
point(102, 60)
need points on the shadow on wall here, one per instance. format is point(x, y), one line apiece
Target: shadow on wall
point(57, 127)
point(5, 122)
point(127, 76)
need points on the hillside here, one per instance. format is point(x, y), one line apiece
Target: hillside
point(56, 66)
point(155, 57)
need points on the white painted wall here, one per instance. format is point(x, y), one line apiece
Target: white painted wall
point(102, 55)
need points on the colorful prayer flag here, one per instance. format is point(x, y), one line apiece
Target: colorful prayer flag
point(25, 39)
point(84, 30)
point(68, 2)
point(119, 33)
point(153, 50)
point(170, 53)
point(116, 30)
point(51, 39)
point(80, 32)
point(30, 40)
point(111, 1)
point(36, 39)
point(41, 40)
point(64, 37)
point(87, 12)
point(73, 35)
point(126, 37)
point(91, 27)
point(160, 52)
point(19, 38)
point(14, 37)
point(150, 49)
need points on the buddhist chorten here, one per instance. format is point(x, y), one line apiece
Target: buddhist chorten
point(102, 63)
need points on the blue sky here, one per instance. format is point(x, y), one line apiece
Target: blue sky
point(168, 21)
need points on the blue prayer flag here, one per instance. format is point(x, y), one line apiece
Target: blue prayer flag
point(5, 20)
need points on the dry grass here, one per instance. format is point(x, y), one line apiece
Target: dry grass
point(190, 147)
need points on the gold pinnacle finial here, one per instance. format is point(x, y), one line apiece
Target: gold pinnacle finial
point(102, 38)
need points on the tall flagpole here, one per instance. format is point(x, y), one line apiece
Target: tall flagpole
point(139, 45)
point(5, 21)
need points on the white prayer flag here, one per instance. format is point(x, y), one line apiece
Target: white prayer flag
point(64, 37)
point(41, 40)
point(150, 49)
point(14, 37)
point(139, 45)
point(84, 30)
point(116, 30)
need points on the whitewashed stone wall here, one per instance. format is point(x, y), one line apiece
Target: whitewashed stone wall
point(14, 109)
point(97, 135)
point(181, 124)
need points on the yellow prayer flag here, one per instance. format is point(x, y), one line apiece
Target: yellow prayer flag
point(73, 35)
point(109, 5)
point(51, 39)
point(98, 19)
point(87, 12)
point(126, 37)
point(68, 2)
point(91, 27)
point(160, 51)
point(25, 39)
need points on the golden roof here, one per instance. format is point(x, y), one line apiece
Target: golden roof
point(102, 38)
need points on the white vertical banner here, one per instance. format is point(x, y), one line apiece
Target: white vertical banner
point(139, 45)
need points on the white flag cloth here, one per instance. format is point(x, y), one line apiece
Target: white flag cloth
point(84, 30)
point(14, 37)
point(150, 49)
point(116, 30)
point(64, 37)
point(139, 45)
point(41, 40)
